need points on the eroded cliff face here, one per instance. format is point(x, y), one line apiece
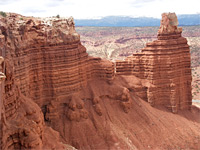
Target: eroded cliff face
point(22, 121)
point(44, 62)
point(51, 81)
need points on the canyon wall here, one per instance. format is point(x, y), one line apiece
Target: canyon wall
point(55, 64)
point(44, 62)
point(166, 64)
point(22, 122)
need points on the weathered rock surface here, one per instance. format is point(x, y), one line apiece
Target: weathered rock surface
point(46, 61)
point(166, 64)
point(22, 121)
point(52, 84)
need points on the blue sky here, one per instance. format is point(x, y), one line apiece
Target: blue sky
point(87, 9)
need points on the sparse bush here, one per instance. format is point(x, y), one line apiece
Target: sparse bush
point(58, 16)
point(2, 13)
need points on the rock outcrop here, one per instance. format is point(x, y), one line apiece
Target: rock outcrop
point(44, 61)
point(54, 95)
point(22, 121)
point(166, 64)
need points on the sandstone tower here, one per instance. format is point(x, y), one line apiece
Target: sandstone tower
point(166, 64)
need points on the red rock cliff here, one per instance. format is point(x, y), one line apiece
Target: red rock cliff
point(44, 62)
point(51, 81)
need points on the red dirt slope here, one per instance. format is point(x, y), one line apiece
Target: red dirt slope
point(100, 117)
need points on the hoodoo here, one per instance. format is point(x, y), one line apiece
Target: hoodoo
point(53, 95)
point(166, 64)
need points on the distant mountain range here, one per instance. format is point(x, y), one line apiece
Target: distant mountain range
point(121, 21)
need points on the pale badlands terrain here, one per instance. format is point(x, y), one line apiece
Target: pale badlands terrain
point(116, 43)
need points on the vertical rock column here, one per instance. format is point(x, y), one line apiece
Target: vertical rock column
point(166, 64)
point(171, 68)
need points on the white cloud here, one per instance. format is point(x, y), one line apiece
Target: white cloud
point(97, 8)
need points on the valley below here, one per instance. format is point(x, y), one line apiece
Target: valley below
point(116, 43)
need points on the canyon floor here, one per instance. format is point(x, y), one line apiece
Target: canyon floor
point(116, 43)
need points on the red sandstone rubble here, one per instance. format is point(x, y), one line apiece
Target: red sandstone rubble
point(48, 82)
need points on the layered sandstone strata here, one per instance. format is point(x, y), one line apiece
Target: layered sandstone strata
point(44, 61)
point(21, 123)
point(51, 80)
point(166, 64)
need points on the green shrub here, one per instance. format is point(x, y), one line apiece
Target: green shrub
point(2, 13)
point(58, 16)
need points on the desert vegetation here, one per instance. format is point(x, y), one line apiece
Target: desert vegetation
point(3, 14)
